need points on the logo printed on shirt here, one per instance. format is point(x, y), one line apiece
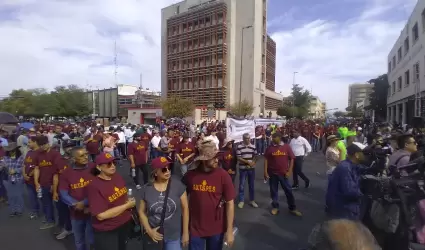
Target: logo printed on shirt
point(228, 157)
point(140, 147)
point(81, 184)
point(186, 150)
point(28, 159)
point(45, 163)
point(118, 192)
point(63, 169)
point(204, 187)
point(278, 153)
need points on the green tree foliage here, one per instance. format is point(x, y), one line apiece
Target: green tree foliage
point(378, 97)
point(287, 111)
point(68, 101)
point(176, 107)
point(244, 108)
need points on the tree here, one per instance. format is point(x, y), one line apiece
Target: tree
point(378, 97)
point(176, 107)
point(339, 114)
point(67, 101)
point(287, 111)
point(242, 109)
point(301, 99)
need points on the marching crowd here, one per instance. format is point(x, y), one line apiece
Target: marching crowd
point(75, 173)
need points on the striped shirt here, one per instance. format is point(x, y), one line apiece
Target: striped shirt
point(246, 152)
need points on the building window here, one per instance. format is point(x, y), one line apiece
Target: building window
point(399, 55)
point(220, 17)
point(399, 83)
point(389, 90)
point(415, 32)
point(416, 73)
point(407, 78)
point(393, 89)
point(423, 20)
point(406, 45)
point(389, 67)
point(393, 62)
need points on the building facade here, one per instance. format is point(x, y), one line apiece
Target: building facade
point(215, 51)
point(406, 60)
point(358, 92)
point(317, 108)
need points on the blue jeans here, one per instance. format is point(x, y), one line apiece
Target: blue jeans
point(47, 203)
point(15, 194)
point(172, 244)
point(64, 219)
point(33, 200)
point(81, 228)
point(315, 144)
point(274, 187)
point(259, 145)
point(214, 242)
point(243, 175)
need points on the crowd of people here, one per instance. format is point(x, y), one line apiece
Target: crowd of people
point(73, 170)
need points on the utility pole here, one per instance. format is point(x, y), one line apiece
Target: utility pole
point(115, 62)
point(293, 97)
point(240, 73)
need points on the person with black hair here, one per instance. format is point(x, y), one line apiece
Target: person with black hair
point(13, 162)
point(406, 146)
point(109, 205)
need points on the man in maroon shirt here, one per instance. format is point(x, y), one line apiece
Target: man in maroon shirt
point(46, 166)
point(72, 187)
point(278, 163)
point(92, 143)
point(185, 153)
point(138, 155)
point(211, 201)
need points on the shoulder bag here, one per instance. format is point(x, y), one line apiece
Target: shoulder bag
point(148, 243)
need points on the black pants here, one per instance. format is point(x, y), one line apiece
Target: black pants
point(92, 157)
point(112, 240)
point(145, 171)
point(298, 170)
point(121, 148)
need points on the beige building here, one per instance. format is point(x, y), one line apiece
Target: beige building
point(406, 98)
point(216, 52)
point(358, 92)
point(317, 108)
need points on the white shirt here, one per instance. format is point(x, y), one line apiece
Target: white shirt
point(155, 141)
point(121, 135)
point(129, 135)
point(300, 146)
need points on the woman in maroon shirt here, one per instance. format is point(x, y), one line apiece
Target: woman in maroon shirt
point(228, 159)
point(109, 205)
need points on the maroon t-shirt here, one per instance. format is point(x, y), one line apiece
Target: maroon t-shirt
point(29, 164)
point(139, 152)
point(227, 160)
point(206, 191)
point(278, 157)
point(48, 163)
point(92, 146)
point(172, 144)
point(104, 195)
point(185, 149)
point(75, 181)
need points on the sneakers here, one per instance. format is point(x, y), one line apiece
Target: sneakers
point(296, 213)
point(47, 226)
point(253, 204)
point(138, 187)
point(307, 184)
point(63, 234)
point(274, 211)
point(33, 216)
point(295, 187)
point(240, 204)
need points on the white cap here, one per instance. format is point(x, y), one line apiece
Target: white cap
point(359, 129)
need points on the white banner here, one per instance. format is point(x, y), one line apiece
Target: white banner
point(236, 128)
point(265, 122)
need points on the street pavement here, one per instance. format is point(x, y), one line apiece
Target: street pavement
point(258, 229)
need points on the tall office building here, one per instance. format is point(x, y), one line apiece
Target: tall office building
point(358, 92)
point(216, 51)
point(406, 60)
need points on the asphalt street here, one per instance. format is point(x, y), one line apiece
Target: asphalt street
point(258, 229)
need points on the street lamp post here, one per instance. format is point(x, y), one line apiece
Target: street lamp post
point(240, 73)
point(293, 97)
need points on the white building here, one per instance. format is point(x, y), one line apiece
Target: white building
point(216, 51)
point(406, 60)
point(317, 108)
point(358, 92)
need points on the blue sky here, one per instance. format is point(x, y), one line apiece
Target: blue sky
point(331, 43)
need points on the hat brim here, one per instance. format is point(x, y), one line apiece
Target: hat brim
point(227, 143)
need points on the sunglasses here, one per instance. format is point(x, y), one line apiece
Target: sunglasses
point(165, 170)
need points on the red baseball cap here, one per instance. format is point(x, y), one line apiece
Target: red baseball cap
point(159, 162)
point(104, 158)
